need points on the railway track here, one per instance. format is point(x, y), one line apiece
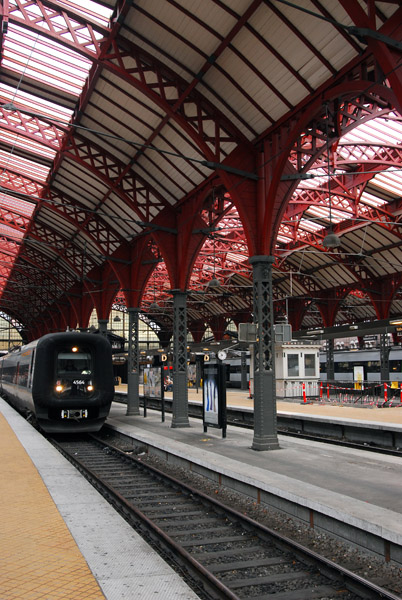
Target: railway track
point(222, 553)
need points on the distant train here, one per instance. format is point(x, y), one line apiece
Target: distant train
point(64, 379)
point(348, 364)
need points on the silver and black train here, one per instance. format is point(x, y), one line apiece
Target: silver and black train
point(64, 379)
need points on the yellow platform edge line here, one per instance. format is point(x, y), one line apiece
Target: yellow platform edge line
point(39, 558)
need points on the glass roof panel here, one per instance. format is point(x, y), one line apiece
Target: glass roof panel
point(310, 225)
point(16, 140)
point(91, 10)
point(10, 232)
point(366, 142)
point(14, 204)
point(389, 180)
point(283, 239)
point(371, 200)
point(35, 56)
point(25, 167)
point(33, 103)
point(382, 130)
point(323, 212)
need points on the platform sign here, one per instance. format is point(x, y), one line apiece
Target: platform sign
point(214, 397)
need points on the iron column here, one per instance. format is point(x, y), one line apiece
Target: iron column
point(180, 389)
point(133, 367)
point(265, 421)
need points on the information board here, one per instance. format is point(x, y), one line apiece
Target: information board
point(153, 382)
point(214, 396)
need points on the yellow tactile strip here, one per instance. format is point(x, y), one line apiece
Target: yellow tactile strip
point(39, 559)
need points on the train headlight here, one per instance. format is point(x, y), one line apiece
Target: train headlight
point(90, 388)
point(59, 387)
point(74, 349)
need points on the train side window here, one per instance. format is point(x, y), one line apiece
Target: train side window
point(293, 365)
point(22, 379)
point(16, 373)
point(395, 366)
point(31, 368)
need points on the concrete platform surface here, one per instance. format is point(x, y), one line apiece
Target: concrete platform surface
point(240, 398)
point(351, 486)
point(60, 539)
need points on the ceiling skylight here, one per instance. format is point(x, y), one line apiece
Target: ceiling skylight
point(34, 56)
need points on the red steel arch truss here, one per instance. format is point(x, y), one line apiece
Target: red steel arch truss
point(127, 173)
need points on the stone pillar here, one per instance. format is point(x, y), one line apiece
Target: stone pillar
point(265, 421)
point(133, 367)
point(180, 389)
point(330, 360)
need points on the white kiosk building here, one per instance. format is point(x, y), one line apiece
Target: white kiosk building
point(297, 370)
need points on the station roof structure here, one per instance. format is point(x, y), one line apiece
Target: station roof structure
point(156, 145)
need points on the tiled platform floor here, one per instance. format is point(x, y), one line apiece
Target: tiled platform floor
point(36, 562)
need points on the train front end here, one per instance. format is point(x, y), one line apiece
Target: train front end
point(73, 384)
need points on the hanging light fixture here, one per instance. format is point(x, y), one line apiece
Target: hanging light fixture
point(331, 240)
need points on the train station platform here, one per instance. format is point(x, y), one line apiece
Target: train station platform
point(60, 540)
point(349, 493)
point(357, 412)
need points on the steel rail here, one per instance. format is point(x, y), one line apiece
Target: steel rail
point(211, 585)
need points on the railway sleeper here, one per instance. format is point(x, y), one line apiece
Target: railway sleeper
point(246, 564)
point(322, 591)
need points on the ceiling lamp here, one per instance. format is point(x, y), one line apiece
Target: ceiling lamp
point(331, 240)
point(213, 283)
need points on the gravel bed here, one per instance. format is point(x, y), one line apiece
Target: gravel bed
point(386, 575)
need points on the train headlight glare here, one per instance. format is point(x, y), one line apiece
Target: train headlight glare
point(74, 349)
point(59, 388)
point(90, 388)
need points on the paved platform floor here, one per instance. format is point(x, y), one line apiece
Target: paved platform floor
point(360, 413)
point(358, 488)
point(59, 539)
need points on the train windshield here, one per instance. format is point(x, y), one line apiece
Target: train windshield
point(79, 362)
